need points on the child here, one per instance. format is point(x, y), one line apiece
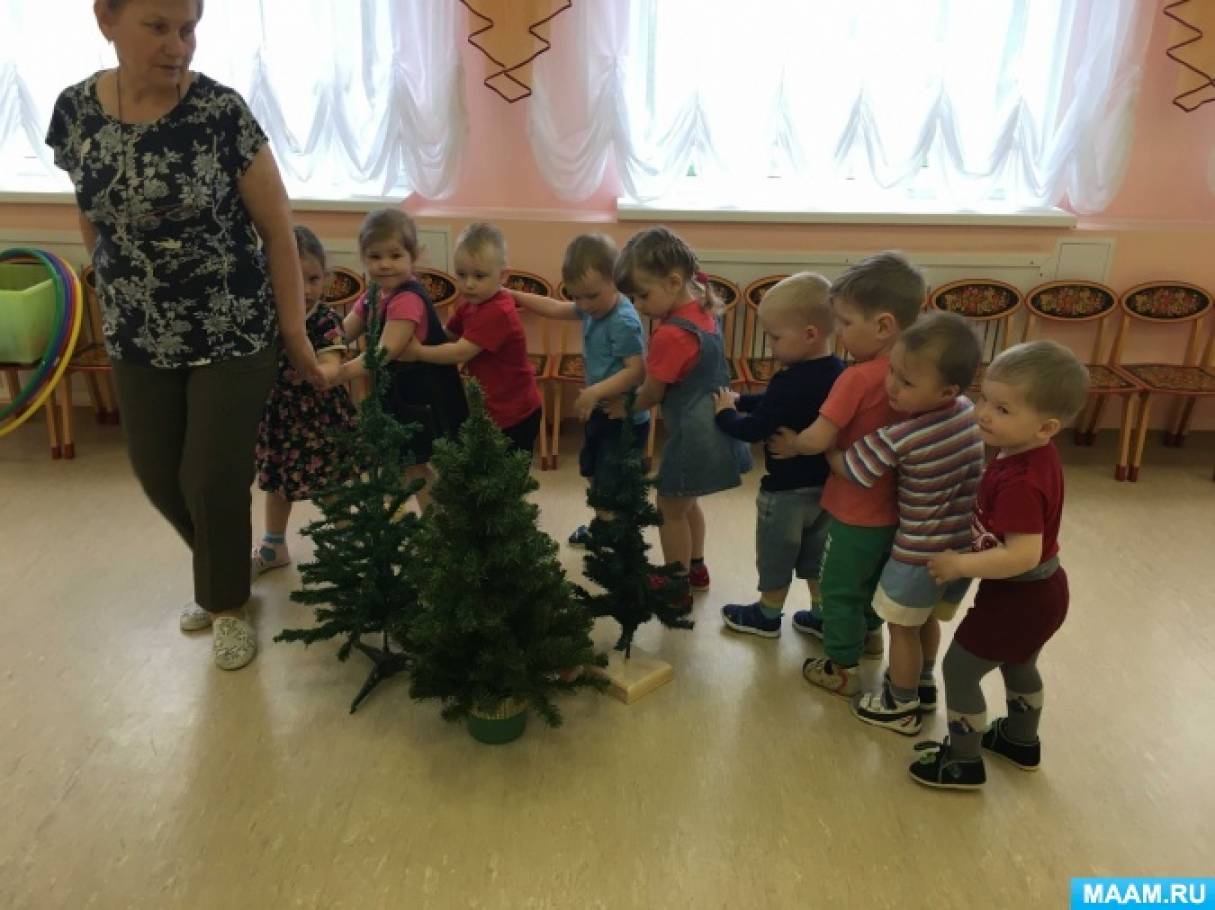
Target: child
point(613, 345)
point(937, 456)
point(1028, 393)
point(873, 302)
point(430, 397)
point(488, 335)
point(791, 525)
point(686, 364)
point(296, 447)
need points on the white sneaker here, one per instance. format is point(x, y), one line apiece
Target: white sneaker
point(234, 644)
point(265, 558)
point(194, 618)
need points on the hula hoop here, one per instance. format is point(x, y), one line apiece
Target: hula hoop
point(64, 318)
point(57, 356)
point(56, 337)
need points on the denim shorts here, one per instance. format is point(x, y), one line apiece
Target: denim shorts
point(790, 532)
point(908, 595)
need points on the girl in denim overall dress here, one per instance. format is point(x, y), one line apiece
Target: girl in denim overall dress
point(686, 364)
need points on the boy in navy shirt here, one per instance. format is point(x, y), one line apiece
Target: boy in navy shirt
point(791, 526)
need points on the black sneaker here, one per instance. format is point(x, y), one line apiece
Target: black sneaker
point(580, 537)
point(927, 692)
point(936, 767)
point(1026, 756)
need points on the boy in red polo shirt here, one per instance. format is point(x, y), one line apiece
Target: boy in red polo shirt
point(488, 335)
point(1029, 392)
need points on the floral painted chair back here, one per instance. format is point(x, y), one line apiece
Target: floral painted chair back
point(989, 304)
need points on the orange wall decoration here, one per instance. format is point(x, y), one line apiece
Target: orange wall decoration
point(511, 34)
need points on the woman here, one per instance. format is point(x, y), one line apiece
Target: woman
point(175, 184)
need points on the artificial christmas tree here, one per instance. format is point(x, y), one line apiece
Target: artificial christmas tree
point(498, 626)
point(360, 579)
point(634, 590)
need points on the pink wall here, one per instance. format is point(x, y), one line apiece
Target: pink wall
point(1163, 219)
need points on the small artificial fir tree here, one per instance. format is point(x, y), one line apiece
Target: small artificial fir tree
point(361, 577)
point(497, 619)
point(634, 590)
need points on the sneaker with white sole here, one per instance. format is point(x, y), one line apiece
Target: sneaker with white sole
point(750, 618)
point(809, 622)
point(194, 618)
point(881, 710)
point(265, 558)
point(234, 643)
point(827, 674)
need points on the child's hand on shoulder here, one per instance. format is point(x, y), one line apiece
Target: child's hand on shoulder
point(945, 567)
point(585, 404)
point(782, 443)
point(724, 399)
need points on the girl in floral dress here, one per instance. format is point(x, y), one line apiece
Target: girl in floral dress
point(297, 449)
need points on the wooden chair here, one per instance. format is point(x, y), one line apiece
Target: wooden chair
point(1089, 302)
point(343, 287)
point(440, 288)
point(1167, 303)
point(989, 304)
point(531, 283)
point(755, 364)
point(90, 360)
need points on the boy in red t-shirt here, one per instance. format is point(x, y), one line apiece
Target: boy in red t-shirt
point(874, 301)
point(488, 335)
point(1029, 392)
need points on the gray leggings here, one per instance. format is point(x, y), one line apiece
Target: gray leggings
point(967, 709)
point(963, 672)
point(190, 436)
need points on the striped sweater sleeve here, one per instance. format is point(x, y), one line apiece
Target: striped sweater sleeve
point(870, 457)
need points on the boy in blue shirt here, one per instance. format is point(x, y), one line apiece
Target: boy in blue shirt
point(613, 352)
point(791, 526)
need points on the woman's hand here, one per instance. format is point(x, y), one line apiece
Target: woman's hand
point(303, 360)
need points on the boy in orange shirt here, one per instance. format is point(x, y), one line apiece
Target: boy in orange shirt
point(873, 302)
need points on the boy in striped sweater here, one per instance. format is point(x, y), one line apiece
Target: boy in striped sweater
point(937, 455)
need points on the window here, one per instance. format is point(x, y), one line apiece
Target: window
point(359, 99)
point(817, 104)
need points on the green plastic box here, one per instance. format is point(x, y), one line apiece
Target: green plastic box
point(27, 311)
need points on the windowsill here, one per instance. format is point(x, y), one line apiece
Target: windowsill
point(628, 210)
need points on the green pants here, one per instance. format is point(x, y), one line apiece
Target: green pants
point(190, 436)
point(852, 566)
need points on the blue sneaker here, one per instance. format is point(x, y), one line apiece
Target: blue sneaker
point(750, 618)
point(580, 537)
point(809, 622)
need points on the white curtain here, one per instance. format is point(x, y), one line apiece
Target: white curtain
point(359, 97)
point(814, 103)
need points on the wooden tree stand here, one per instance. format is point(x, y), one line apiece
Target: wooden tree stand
point(634, 677)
